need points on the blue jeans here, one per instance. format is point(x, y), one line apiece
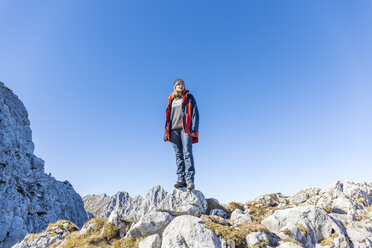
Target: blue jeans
point(182, 144)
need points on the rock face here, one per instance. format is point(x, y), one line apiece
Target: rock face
point(181, 202)
point(152, 241)
point(188, 231)
point(149, 224)
point(102, 206)
point(29, 199)
point(175, 202)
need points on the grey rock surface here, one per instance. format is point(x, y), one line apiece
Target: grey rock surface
point(342, 198)
point(238, 216)
point(29, 199)
point(181, 202)
point(188, 232)
point(152, 241)
point(53, 235)
point(256, 237)
point(218, 212)
point(116, 220)
point(289, 245)
point(132, 208)
point(308, 225)
point(272, 199)
point(87, 228)
point(149, 224)
point(360, 232)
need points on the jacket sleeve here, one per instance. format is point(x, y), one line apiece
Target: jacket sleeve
point(195, 117)
point(165, 137)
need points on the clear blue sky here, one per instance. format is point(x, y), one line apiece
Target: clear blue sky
point(283, 89)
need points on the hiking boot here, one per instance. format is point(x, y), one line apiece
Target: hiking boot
point(179, 184)
point(190, 185)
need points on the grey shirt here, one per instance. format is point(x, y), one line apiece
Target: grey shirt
point(176, 113)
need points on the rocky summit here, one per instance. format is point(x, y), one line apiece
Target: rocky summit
point(338, 216)
point(29, 198)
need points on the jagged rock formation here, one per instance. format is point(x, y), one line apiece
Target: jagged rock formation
point(102, 206)
point(29, 199)
point(338, 216)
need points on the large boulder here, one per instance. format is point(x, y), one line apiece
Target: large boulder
point(308, 224)
point(29, 198)
point(189, 232)
point(238, 217)
point(181, 202)
point(152, 241)
point(149, 224)
point(255, 238)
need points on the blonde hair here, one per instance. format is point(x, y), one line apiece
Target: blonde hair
point(177, 93)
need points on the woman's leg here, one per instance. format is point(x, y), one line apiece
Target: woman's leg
point(189, 158)
point(178, 149)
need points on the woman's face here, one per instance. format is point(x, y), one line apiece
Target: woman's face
point(180, 86)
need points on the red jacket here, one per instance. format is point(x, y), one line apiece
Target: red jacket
point(190, 117)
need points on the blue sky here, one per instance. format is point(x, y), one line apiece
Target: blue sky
point(283, 90)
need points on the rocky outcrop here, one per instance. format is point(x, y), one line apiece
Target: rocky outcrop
point(271, 220)
point(181, 201)
point(308, 225)
point(149, 224)
point(29, 199)
point(188, 231)
point(102, 206)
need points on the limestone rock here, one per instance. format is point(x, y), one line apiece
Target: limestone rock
point(360, 233)
point(188, 231)
point(342, 198)
point(239, 217)
point(272, 200)
point(102, 206)
point(288, 245)
point(54, 234)
point(29, 199)
point(256, 237)
point(152, 241)
point(304, 195)
point(116, 220)
point(308, 225)
point(87, 228)
point(181, 202)
point(149, 224)
point(218, 212)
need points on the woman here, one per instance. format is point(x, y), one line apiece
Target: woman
point(181, 128)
